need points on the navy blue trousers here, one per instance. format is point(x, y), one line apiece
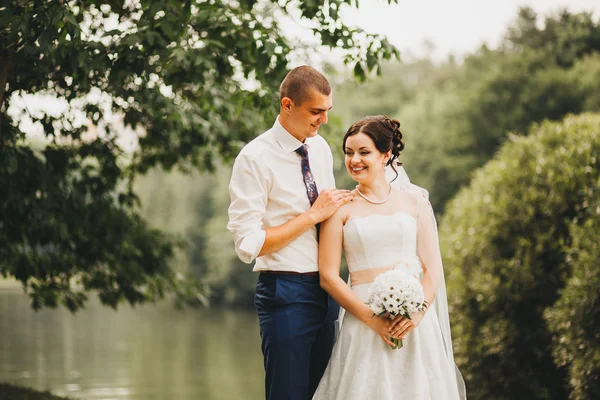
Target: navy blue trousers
point(297, 330)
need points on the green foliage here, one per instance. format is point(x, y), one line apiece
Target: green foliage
point(397, 85)
point(586, 72)
point(575, 318)
point(505, 242)
point(66, 229)
point(188, 81)
point(562, 37)
point(529, 79)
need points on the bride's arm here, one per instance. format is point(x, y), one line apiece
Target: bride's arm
point(429, 253)
point(330, 256)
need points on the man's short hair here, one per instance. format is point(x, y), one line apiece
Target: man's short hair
point(298, 83)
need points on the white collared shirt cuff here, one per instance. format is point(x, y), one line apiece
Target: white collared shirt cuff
point(250, 246)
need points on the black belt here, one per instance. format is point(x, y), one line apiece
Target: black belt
point(290, 273)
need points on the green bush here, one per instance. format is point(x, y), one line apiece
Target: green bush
point(575, 318)
point(505, 241)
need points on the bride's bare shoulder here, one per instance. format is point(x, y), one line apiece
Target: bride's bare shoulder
point(352, 208)
point(347, 210)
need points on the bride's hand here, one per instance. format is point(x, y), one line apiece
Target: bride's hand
point(381, 326)
point(400, 327)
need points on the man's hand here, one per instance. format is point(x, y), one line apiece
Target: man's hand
point(328, 202)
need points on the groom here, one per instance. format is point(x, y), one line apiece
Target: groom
point(281, 188)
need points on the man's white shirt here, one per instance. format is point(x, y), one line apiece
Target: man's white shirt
point(267, 189)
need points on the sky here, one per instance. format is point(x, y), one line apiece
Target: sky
point(454, 26)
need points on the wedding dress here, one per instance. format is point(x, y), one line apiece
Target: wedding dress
point(362, 365)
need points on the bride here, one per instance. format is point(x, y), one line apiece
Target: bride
point(384, 224)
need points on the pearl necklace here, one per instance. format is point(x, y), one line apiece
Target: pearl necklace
point(373, 201)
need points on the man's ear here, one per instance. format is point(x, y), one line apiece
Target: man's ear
point(286, 104)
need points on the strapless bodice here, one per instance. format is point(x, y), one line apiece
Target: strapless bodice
point(376, 241)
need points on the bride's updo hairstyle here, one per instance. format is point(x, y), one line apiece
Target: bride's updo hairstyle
point(385, 133)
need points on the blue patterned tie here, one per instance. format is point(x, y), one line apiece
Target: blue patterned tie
point(309, 180)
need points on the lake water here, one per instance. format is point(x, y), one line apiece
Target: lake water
point(150, 352)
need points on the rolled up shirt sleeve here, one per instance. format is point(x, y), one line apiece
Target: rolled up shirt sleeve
point(248, 191)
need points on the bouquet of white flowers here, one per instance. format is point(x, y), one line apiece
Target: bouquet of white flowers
point(398, 292)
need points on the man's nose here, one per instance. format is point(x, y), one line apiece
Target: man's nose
point(324, 117)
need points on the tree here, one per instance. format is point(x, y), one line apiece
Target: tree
point(537, 73)
point(506, 241)
point(563, 37)
point(527, 80)
point(575, 317)
point(191, 79)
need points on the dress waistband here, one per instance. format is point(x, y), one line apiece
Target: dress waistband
point(363, 276)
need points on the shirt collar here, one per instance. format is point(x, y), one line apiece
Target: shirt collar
point(286, 140)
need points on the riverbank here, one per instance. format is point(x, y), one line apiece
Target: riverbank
point(12, 392)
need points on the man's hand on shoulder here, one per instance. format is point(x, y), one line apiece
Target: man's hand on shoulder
point(328, 202)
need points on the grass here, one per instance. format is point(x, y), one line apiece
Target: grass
point(12, 392)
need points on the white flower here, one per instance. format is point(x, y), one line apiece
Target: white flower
point(398, 291)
